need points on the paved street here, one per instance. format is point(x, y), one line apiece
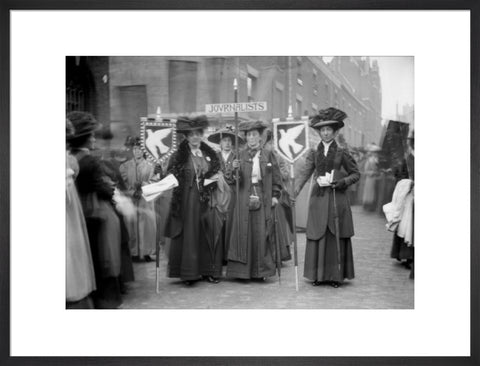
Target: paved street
point(380, 282)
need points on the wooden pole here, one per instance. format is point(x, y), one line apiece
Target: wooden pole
point(237, 178)
point(294, 226)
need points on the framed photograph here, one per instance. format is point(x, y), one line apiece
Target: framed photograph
point(242, 184)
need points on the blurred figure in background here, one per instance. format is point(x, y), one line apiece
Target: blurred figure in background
point(143, 228)
point(79, 267)
point(372, 175)
point(96, 189)
point(403, 245)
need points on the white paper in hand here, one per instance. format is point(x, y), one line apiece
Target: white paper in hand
point(210, 180)
point(325, 180)
point(154, 190)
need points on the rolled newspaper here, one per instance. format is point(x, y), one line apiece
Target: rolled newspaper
point(154, 190)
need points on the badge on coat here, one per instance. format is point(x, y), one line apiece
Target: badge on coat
point(290, 138)
point(159, 138)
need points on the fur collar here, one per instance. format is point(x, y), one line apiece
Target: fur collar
point(177, 168)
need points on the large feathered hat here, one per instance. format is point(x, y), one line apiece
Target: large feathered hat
point(329, 117)
point(186, 124)
point(228, 131)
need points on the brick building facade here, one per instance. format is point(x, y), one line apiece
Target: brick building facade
point(120, 90)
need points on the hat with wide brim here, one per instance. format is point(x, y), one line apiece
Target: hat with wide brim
point(217, 136)
point(332, 117)
point(246, 126)
point(84, 124)
point(186, 124)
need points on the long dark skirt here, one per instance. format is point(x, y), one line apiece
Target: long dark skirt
point(400, 250)
point(190, 257)
point(260, 262)
point(321, 262)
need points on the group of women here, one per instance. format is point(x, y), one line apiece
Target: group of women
point(227, 210)
point(212, 224)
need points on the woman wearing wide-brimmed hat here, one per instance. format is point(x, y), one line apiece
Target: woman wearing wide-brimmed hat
point(192, 255)
point(321, 254)
point(96, 190)
point(251, 250)
point(225, 137)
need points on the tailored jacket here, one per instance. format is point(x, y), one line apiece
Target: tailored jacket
point(321, 206)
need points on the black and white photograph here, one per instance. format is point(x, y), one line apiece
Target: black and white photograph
point(240, 182)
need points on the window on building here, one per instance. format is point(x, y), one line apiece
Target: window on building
point(251, 87)
point(278, 101)
point(314, 82)
point(299, 71)
point(298, 107)
point(182, 83)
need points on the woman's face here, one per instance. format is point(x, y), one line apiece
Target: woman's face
point(90, 144)
point(327, 133)
point(226, 143)
point(137, 152)
point(253, 138)
point(195, 137)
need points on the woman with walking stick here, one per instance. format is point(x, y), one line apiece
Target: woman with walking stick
point(251, 251)
point(328, 254)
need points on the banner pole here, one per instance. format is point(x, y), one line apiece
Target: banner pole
point(294, 226)
point(237, 156)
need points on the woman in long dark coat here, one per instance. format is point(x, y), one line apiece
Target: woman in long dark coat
point(251, 250)
point(191, 256)
point(226, 139)
point(321, 261)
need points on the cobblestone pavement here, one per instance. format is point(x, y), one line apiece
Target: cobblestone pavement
point(380, 282)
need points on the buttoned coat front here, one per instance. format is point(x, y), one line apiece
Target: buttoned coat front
point(320, 208)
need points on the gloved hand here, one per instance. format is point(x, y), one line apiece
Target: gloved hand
point(339, 184)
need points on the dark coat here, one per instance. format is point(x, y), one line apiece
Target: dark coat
point(321, 210)
point(271, 183)
point(181, 167)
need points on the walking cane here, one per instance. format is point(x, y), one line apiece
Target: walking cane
point(157, 264)
point(278, 258)
point(137, 206)
point(294, 226)
point(337, 230)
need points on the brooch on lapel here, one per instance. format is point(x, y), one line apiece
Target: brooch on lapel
point(207, 158)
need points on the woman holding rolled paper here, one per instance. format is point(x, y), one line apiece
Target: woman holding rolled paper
point(334, 169)
point(251, 250)
point(194, 165)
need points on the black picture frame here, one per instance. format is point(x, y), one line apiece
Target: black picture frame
point(6, 6)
